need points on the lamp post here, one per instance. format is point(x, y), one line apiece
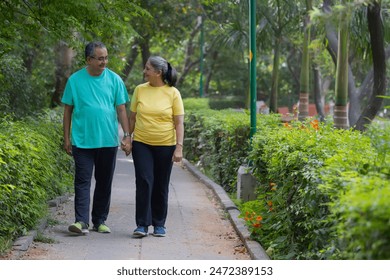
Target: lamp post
point(252, 59)
point(201, 88)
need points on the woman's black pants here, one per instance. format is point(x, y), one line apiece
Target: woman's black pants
point(153, 166)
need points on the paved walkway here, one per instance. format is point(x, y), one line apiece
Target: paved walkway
point(202, 224)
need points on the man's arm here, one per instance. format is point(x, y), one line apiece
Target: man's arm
point(124, 121)
point(68, 110)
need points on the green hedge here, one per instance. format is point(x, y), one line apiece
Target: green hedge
point(312, 178)
point(33, 169)
point(217, 142)
point(226, 102)
point(322, 192)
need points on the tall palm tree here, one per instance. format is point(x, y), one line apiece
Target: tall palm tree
point(341, 110)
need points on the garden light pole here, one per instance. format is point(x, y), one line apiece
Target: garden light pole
point(201, 88)
point(252, 59)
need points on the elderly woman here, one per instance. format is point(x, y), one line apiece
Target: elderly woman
point(156, 124)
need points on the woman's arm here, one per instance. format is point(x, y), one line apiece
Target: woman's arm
point(179, 128)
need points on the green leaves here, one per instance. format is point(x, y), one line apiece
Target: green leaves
point(218, 141)
point(33, 169)
point(317, 178)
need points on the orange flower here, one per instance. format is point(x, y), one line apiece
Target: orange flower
point(257, 225)
point(315, 124)
point(287, 125)
point(259, 218)
point(269, 203)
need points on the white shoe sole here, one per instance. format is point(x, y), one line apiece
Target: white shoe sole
point(139, 234)
point(74, 229)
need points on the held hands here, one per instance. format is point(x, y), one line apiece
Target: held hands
point(126, 145)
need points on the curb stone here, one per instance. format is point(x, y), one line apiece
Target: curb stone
point(23, 243)
point(255, 250)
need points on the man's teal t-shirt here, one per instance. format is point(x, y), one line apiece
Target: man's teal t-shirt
point(94, 100)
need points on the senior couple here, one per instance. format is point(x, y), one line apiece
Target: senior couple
point(94, 100)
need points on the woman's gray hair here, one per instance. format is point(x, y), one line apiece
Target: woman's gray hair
point(169, 73)
point(90, 48)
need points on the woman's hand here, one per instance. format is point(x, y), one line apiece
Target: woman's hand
point(126, 145)
point(178, 153)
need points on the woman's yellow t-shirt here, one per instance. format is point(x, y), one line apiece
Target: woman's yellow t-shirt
point(155, 108)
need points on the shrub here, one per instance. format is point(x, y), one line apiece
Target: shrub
point(33, 168)
point(21, 92)
point(218, 141)
point(363, 219)
point(321, 192)
point(227, 102)
point(192, 104)
point(289, 163)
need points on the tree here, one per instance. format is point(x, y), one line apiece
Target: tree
point(356, 95)
point(32, 29)
point(63, 65)
point(375, 26)
point(282, 17)
point(340, 111)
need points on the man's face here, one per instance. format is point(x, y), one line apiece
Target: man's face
point(98, 61)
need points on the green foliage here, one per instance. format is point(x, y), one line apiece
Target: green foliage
point(226, 102)
point(193, 104)
point(218, 142)
point(312, 181)
point(363, 223)
point(33, 169)
point(18, 95)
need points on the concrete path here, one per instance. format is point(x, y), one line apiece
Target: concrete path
point(202, 224)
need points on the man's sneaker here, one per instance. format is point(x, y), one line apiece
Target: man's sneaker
point(102, 228)
point(159, 231)
point(140, 231)
point(79, 227)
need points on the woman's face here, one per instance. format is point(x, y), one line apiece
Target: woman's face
point(151, 74)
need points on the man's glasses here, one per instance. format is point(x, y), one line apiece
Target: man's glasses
point(101, 59)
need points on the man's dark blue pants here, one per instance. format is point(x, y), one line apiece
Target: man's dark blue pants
point(102, 162)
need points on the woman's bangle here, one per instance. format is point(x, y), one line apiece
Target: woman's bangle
point(180, 144)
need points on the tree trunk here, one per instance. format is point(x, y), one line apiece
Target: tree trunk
point(188, 63)
point(145, 50)
point(140, 45)
point(63, 64)
point(375, 27)
point(130, 60)
point(318, 98)
point(340, 116)
point(209, 72)
point(354, 102)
